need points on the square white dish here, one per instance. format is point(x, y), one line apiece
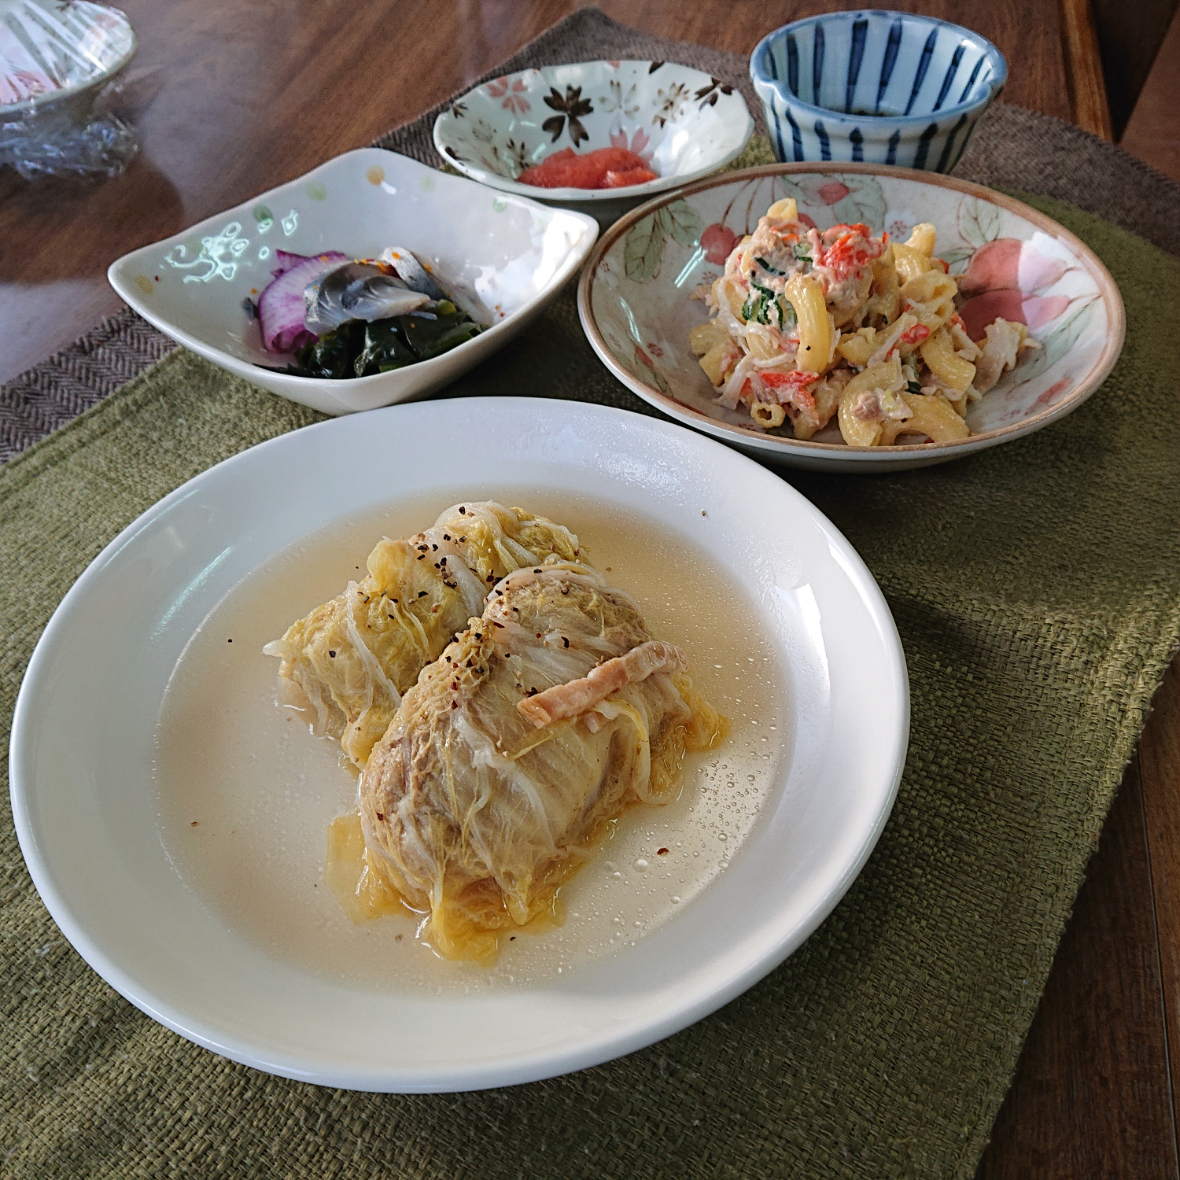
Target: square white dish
point(88, 809)
point(515, 253)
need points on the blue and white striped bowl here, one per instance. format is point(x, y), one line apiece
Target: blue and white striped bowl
point(882, 87)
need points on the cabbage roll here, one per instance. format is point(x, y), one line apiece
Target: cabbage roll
point(350, 660)
point(539, 725)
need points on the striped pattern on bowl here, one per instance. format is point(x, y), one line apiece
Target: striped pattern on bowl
point(878, 87)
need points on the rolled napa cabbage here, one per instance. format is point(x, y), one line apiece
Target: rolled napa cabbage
point(543, 721)
point(349, 661)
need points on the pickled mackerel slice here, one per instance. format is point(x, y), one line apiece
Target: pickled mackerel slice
point(350, 660)
point(476, 808)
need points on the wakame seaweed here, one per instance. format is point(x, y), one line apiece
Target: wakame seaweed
point(359, 349)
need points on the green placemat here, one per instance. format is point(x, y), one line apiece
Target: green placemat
point(1037, 590)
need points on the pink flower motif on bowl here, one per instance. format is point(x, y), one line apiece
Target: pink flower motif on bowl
point(833, 191)
point(512, 93)
point(1012, 304)
point(717, 241)
point(638, 142)
point(1008, 263)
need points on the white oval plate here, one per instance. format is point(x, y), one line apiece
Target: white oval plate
point(514, 253)
point(85, 801)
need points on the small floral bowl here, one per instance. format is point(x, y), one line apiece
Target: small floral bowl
point(682, 122)
point(636, 304)
point(878, 87)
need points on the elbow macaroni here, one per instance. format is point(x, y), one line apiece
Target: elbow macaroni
point(815, 327)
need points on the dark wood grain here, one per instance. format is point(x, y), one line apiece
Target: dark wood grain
point(252, 93)
point(1090, 1097)
point(1088, 105)
point(1159, 757)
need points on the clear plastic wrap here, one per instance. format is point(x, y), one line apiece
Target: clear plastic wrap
point(66, 95)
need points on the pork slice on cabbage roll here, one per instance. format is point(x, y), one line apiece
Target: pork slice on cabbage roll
point(506, 761)
point(350, 660)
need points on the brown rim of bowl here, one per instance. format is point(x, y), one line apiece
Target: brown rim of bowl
point(1107, 287)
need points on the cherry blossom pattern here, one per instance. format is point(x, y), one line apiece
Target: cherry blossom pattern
point(671, 103)
point(708, 94)
point(625, 102)
point(21, 85)
point(637, 143)
point(572, 106)
point(511, 93)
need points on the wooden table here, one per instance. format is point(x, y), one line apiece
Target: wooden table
point(254, 94)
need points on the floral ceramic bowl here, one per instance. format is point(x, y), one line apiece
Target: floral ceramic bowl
point(52, 52)
point(511, 254)
point(636, 305)
point(879, 87)
point(683, 122)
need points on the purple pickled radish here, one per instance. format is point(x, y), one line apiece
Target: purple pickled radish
point(286, 260)
point(281, 307)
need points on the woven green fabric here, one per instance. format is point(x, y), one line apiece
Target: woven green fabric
point(1037, 590)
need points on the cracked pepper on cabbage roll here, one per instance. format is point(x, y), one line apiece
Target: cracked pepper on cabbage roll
point(350, 659)
point(503, 765)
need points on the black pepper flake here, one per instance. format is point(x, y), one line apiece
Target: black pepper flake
point(437, 566)
point(421, 555)
point(229, 641)
point(421, 593)
point(462, 539)
point(454, 686)
point(390, 616)
point(532, 692)
point(661, 852)
point(565, 589)
point(394, 601)
point(462, 510)
point(433, 546)
point(380, 818)
point(367, 597)
point(332, 654)
point(538, 634)
point(478, 636)
point(446, 536)
point(479, 670)
point(193, 824)
point(565, 641)
point(454, 705)
point(536, 571)
point(494, 624)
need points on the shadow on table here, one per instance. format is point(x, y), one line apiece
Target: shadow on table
point(122, 213)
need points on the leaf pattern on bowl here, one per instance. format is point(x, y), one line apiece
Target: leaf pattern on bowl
point(643, 249)
point(1007, 266)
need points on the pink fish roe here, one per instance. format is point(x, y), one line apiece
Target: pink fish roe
point(611, 167)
